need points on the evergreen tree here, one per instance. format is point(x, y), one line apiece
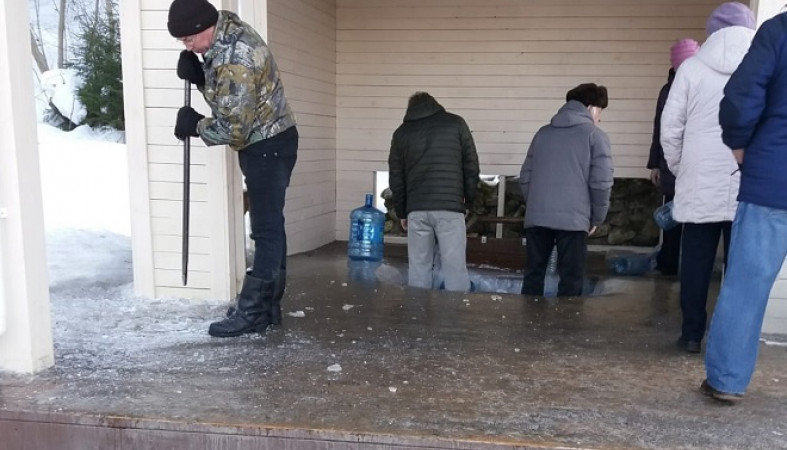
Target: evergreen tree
point(98, 61)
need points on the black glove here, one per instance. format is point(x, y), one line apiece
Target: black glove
point(186, 125)
point(190, 68)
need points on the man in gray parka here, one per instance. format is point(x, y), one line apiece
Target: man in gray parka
point(566, 181)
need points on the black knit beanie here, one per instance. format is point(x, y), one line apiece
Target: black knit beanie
point(189, 17)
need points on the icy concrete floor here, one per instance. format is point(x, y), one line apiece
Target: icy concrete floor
point(592, 372)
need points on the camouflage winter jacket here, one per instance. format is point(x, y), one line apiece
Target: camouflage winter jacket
point(242, 88)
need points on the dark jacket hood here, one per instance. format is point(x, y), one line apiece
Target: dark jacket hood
point(571, 114)
point(421, 110)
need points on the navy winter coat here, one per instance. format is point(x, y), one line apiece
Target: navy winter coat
point(753, 116)
point(656, 159)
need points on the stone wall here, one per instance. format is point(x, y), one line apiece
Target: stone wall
point(629, 222)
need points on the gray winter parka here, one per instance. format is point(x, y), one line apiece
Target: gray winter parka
point(566, 178)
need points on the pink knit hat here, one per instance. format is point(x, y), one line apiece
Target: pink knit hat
point(681, 51)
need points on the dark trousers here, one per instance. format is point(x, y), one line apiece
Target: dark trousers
point(669, 256)
point(267, 166)
point(700, 241)
point(571, 256)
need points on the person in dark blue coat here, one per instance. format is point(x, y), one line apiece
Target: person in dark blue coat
point(668, 257)
point(753, 118)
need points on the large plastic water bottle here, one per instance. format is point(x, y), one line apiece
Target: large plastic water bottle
point(663, 217)
point(366, 233)
point(631, 263)
point(551, 279)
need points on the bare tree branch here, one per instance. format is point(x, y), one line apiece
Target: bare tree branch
point(61, 33)
point(38, 54)
point(37, 40)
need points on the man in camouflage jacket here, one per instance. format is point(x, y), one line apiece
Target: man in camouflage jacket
point(239, 80)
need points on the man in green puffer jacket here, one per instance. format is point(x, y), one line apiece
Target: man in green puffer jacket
point(433, 175)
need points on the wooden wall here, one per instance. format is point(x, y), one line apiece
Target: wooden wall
point(776, 314)
point(302, 36)
point(505, 66)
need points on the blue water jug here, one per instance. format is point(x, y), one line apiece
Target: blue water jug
point(366, 233)
point(663, 217)
point(631, 263)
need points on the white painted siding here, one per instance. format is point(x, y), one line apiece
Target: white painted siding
point(505, 66)
point(776, 314)
point(302, 36)
point(153, 95)
point(25, 322)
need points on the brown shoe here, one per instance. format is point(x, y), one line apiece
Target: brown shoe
point(715, 394)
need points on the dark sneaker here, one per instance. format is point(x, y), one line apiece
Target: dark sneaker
point(723, 397)
point(689, 346)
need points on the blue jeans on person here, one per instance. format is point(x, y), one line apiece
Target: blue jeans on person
point(266, 166)
point(757, 252)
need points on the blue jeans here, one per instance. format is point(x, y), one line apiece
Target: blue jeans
point(757, 251)
point(267, 166)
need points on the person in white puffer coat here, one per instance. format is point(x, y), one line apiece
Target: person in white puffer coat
point(707, 177)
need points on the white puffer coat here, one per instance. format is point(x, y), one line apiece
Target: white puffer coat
point(707, 180)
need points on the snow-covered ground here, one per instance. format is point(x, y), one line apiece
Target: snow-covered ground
point(84, 177)
point(84, 185)
point(84, 180)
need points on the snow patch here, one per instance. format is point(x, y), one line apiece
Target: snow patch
point(61, 87)
point(84, 180)
point(774, 343)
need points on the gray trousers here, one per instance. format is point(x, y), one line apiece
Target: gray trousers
point(426, 230)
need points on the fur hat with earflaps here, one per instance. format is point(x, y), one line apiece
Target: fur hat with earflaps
point(589, 94)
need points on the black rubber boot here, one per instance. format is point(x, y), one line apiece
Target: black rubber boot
point(252, 313)
point(231, 309)
point(278, 293)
